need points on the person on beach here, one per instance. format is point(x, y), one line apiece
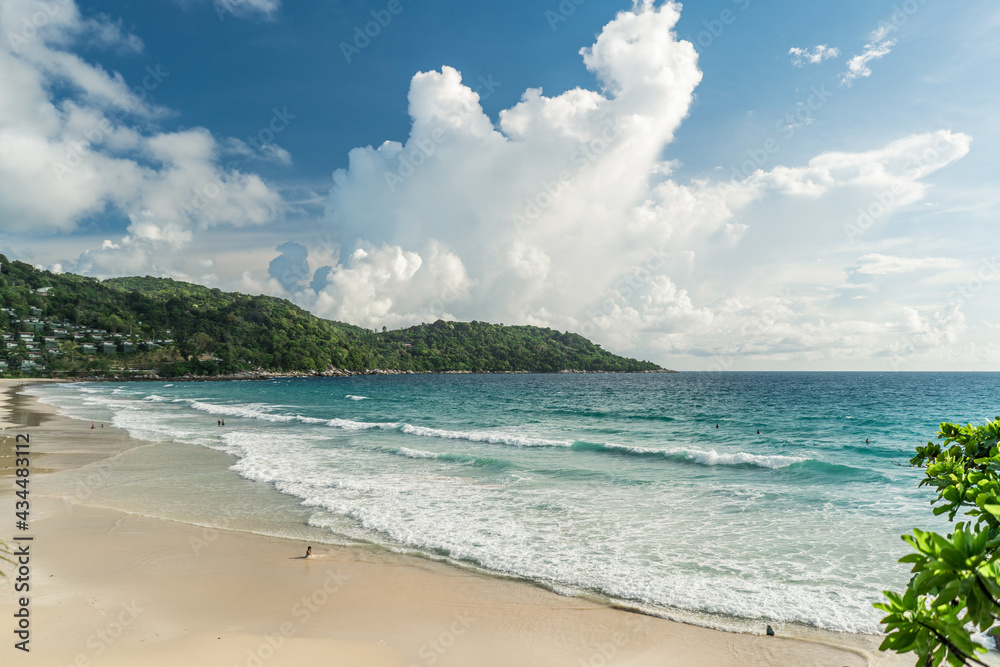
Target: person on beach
point(91, 426)
point(309, 552)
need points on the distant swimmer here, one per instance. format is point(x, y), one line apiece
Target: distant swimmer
point(866, 441)
point(218, 422)
point(309, 552)
point(223, 422)
point(716, 426)
point(758, 431)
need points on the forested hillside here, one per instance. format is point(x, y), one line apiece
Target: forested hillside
point(176, 328)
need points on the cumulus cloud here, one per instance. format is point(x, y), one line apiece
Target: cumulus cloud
point(813, 56)
point(534, 204)
point(565, 213)
point(563, 210)
point(291, 267)
point(86, 151)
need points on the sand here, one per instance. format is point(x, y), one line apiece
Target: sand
point(110, 588)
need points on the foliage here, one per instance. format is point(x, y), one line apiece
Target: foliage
point(224, 332)
point(955, 586)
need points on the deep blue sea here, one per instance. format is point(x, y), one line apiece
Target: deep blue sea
point(656, 490)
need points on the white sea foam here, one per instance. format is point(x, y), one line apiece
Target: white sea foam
point(246, 410)
point(416, 453)
point(351, 425)
point(576, 520)
point(493, 438)
point(714, 458)
point(357, 398)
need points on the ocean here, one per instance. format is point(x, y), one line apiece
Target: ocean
point(652, 490)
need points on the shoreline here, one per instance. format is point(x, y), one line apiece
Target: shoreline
point(150, 376)
point(391, 609)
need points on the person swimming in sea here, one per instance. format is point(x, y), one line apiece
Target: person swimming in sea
point(309, 552)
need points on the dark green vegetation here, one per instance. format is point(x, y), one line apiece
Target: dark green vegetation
point(209, 332)
point(956, 578)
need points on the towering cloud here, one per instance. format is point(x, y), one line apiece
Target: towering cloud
point(564, 213)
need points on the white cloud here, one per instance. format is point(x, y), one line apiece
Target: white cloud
point(565, 214)
point(813, 56)
point(247, 8)
point(535, 205)
point(564, 211)
point(64, 159)
point(880, 265)
point(879, 47)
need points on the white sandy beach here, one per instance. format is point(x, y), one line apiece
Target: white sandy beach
point(110, 588)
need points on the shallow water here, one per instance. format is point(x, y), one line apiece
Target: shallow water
point(621, 485)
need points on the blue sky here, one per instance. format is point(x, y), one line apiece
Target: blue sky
point(779, 185)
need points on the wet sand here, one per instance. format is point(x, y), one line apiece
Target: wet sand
point(110, 588)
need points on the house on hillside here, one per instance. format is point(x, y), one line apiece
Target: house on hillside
point(43, 291)
point(51, 343)
point(108, 348)
point(87, 348)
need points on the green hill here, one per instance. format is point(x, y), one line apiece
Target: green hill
point(176, 328)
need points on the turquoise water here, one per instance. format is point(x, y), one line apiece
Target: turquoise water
point(618, 485)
